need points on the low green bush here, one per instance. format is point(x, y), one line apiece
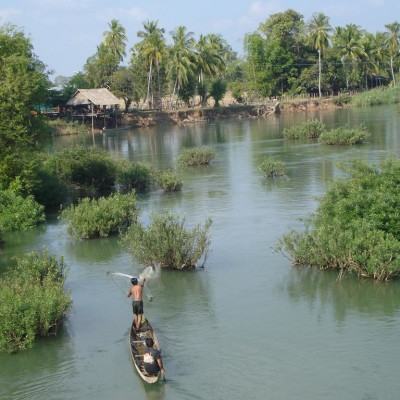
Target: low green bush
point(272, 168)
point(378, 96)
point(169, 242)
point(307, 130)
point(356, 226)
point(169, 181)
point(134, 175)
point(196, 156)
point(101, 217)
point(33, 301)
point(344, 135)
point(89, 170)
point(60, 127)
point(18, 212)
point(342, 99)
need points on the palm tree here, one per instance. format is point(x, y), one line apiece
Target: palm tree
point(318, 30)
point(379, 52)
point(115, 39)
point(209, 59)
point(348, 42)
point(393, 38)
point(152, 48)
point(182, 56)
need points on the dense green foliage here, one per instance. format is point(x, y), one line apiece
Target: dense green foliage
point(88, 170)
point(169, 242)
point(18, 212)
point(272, 168)
point(344, 135)
point(92, 218)
point(356, 226)
point(134, 175)
point(307, 130)
point(377, 96)
point(61, 127)
point(169, 181)
point(194, 156)
point(33, 301)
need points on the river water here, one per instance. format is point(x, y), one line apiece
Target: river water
point(247, 326)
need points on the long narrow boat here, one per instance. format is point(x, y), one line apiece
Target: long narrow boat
point(138, 346)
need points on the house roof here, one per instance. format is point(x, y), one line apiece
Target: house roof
point(98, 97)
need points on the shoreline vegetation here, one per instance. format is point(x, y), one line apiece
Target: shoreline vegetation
point(152, 118)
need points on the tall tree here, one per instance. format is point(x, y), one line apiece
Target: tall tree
point(318, 30)
point(115, 39)
point(182, 56)
point(393, 39)
point(153, 48)
point(348, 42)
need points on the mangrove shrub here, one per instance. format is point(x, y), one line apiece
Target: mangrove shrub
point(196, 156)
point(168, 241)
point(169, 181)
point(101, 217)
point(272, 168)
point(344, 135)
point(134, 175)
point(356, 226)
point(33, 301)
point(307, 130)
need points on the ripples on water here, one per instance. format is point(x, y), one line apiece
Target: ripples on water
point(248, 325)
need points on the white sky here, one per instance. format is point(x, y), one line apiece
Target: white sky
point(65, 33)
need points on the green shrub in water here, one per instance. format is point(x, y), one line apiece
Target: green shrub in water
point(190, 157)
point(92, 218)
point(169, 181)
point(307, 130)
point(356, 226)
point(134, 175)
point(89, 170)
point(169, 242)
point(33, 302)
point(272, 168)
point(18, 212)
point(344, 135)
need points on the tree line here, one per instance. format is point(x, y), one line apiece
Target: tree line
point(285, 55)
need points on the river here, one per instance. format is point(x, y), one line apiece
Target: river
point(249, 325)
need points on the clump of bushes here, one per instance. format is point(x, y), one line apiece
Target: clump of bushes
point(378, 96)
point(33, 302)
point(307, 130)
point(169, 181)
point(89, 170)
point(101, 217)
point(196, 156)
point(134, 175)
point(345, 135)
point(18, 212)
point(169, 242)
point(272, 168)
point(356, 226)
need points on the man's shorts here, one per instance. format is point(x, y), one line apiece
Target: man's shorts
point(137, 307)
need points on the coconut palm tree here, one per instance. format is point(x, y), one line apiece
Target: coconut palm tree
point(115, 39)
point(393, 38)
point(348, 41)
point(209, 59)
point(181, 63)
point(152, 48)
point(318, 30)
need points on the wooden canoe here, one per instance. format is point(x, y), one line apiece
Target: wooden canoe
point(138, 346)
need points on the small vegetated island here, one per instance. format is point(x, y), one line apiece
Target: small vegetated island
point(356, 227)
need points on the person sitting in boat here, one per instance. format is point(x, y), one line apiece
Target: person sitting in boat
point(136, 292)
point(152, 360)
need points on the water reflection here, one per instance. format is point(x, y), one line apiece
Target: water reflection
point(350, 294)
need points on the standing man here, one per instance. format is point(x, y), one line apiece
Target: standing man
point(136, 292)
point(152, 360)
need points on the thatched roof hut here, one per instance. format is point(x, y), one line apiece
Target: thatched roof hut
point(94, 97)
